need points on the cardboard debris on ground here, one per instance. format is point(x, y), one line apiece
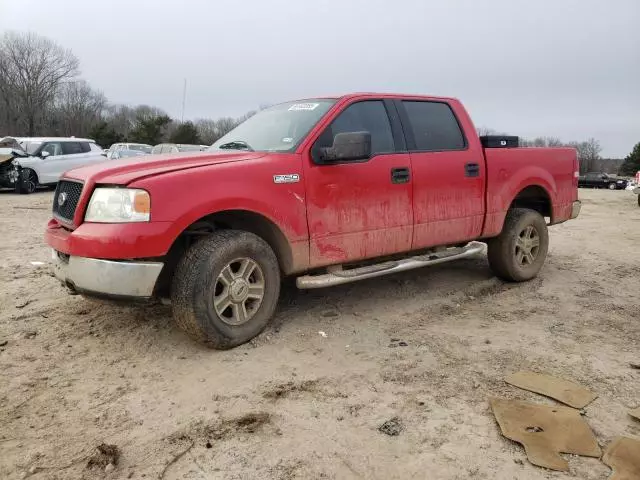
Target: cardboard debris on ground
point(635, 413)
point(564, 391)
point(545, 431)
point(623, 456)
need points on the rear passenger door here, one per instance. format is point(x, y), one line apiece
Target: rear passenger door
point(448, 175)
point(74, 154)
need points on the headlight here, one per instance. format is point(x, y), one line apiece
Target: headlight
point(118, 205)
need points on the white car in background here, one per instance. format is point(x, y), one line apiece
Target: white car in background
point(49, 157)
point(138, 147)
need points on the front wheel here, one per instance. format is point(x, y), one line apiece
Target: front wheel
point(225, 288)
point(612, 186)
point(520, 250)
point(27, 181)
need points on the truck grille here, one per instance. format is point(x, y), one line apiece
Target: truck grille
point(66, 199)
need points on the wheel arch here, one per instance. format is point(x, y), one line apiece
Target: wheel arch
point(245, 220)
point(534, 197)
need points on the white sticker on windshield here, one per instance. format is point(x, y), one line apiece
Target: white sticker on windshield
point(303, 106)
point(287, 140)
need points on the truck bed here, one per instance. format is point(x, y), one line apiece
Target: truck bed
point(511, 170)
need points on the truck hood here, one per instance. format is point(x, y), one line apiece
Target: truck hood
point(125, 171)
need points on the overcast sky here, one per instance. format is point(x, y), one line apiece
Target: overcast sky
point(566, 68)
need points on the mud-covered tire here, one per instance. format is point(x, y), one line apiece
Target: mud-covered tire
point(504, 251)
point(639, 200)
point(612, 186)
point(27, 181)
point(197, 278)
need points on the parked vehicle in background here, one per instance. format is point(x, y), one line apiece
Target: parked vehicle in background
point(177, 148)
point(122, 153)
point(49, 157)
point(10, 149)
point(602, 180)
point(330, 190)
point(140, 147)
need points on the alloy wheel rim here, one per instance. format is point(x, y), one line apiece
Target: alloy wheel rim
point(238, 291)
point(527, 246)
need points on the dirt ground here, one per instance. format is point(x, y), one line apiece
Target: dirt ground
point(428, 347)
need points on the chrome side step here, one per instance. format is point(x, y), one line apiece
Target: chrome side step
point(336, 275)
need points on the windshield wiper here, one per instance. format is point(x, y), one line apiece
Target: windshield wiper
point(236, 145)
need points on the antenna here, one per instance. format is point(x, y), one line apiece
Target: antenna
point(184, 98)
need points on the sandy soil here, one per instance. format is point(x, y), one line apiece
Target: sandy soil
point(428, 347)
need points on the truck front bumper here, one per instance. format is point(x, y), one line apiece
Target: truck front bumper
point(107, 278)
point(575, 209)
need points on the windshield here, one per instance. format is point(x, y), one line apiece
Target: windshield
point(140, 148)
point(277, 129)
point(31, 147)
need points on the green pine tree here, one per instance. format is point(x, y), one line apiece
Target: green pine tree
point(186, 133)
point(149, 129)
point(631, 163)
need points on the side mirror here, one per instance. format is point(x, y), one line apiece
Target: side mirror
point(44, 154)
point(350, 146)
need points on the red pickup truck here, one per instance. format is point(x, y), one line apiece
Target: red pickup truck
point(330, 190)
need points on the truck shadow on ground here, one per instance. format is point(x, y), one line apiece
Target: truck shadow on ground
point(429, 287)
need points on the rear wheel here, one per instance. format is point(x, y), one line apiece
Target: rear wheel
point(520, 250)
point(612, 186)
point(225, 288)
point(27, 181)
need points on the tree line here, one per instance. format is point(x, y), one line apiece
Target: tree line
point(42, 94)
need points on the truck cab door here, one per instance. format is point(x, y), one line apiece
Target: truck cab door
point(448, 172)
point(360, 209)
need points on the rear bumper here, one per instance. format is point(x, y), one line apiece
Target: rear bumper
point(107, 278)
point(575, 208)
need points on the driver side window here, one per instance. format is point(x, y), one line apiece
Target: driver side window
point(53, 148)
point(368, 116)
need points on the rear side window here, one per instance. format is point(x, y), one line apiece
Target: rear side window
point(369, 116)
point(434, 126)
point(156, 149)
point(71, 148)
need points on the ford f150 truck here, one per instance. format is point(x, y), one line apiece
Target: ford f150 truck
point(330, 190)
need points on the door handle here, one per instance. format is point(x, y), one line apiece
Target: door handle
point(400, 175)
point(472, 170)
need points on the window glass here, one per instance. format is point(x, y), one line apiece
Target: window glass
point(276, 129)
point(53, 148)
point(71, 148)
point(369, 116)
point(157, 149)
point(85, 147)
point(434, 126)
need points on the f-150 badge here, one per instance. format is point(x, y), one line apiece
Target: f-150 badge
point(288, 178)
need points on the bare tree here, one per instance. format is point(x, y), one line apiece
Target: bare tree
point(225, 124)
point(78, 108)
point(32, 68)
point(207, 130)
point(484, 131)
